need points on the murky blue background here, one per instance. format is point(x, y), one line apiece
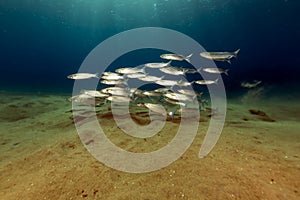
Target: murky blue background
point(42, 41)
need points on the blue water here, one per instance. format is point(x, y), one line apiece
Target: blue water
point(44, 41)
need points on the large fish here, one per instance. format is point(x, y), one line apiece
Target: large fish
point(220, 56)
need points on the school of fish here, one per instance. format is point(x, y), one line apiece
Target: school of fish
point(172, 93)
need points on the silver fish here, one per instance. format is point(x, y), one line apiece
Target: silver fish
point(176, 57)
point(106, 90)
point(118, 91)
point(110, 74)
point(220, 56)
point(187, 92)
point(190, 71)
point(206, 82)
point(81, 76)
point(179, 97)
point(112, 77)
point(182, 83)
point(166, 82)
point(94, 93)
point(156, 108)
point(174, 102)
point(172, 71)
point(150, 78)
point(250, 85)
point(152, 94)
point(119, 99)
point(81, 98)
point(114, 82)
point(157, 65)
point(130, 70)
point(216, 70)
point(162, 90)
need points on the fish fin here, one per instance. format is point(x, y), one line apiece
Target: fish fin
point(97, 75)
point(171, 114)
point(226, 72)
point(236, 53)
point(168, 63)
point(228, 60)
point(188, 58)
point(216, 81)
point(171, 88)
point(198, 70)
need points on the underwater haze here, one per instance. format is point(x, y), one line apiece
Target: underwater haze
point(44, 41)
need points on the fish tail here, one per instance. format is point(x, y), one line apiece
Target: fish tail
point(171, 114)
point(188, 58)
point(226, 72)
point(236, 53)
point(216, 81)
point(97, 75)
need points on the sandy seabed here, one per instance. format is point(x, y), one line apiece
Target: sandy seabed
point(42, 157)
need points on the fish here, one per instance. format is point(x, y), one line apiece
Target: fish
point(117, 91)
point(216, 70)
point(166, 82)
point(175, 102)
point(207, 82)
point(112, 77)
point(118, 99)
point(157, 65)
point(152, 94)
point(81, 76)
point(130, 70)
point(110, 74)
point(191, 71)
point(81, 98)
point(136, 75)
point(176, 57)
point(94, 93)
point(179, 97)
point(250, 85)
point(162, 90)
point(172, 70)
point(156, 108)
point(220, 56)
point(182, 83)
point(187, 92)
point(106, 90)
point(114, 82)
point(150, 78)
